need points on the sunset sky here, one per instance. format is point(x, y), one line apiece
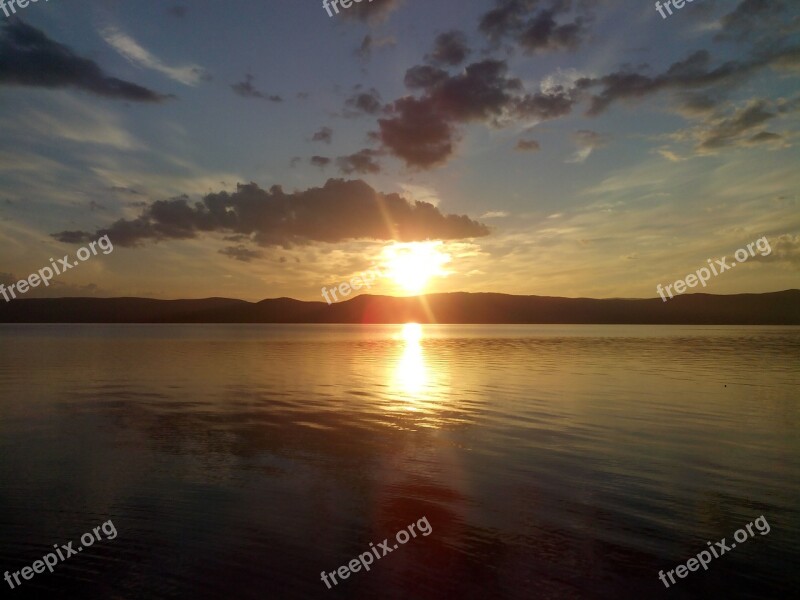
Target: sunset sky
point(258, 149)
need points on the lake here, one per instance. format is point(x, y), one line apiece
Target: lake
point(241, 461)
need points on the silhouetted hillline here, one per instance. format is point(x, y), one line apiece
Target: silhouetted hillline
point(777, 308)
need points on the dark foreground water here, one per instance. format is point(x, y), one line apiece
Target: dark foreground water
point(549, 461)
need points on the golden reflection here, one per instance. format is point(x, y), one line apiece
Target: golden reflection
point(411, 374)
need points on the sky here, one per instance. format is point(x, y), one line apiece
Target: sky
point(261, 149)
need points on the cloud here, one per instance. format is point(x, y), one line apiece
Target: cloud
point(325, 134)
point(364, 103)
point(246, 89)
point(362, 162)
point(537, 29)
point(786, 248)
point(527, 146)
point(417, 133)
point(449, 48)
point(424, 76)
point(740, 127)
point(692, 73)
point(752, 19)
point(494, 214)
point(543, 33)
point(422, 131)
point(320, 161)
point(587, 141)
point(29, 58)
point(241, 253)
point(368, 44)
point(129, 48)
point(340, 210)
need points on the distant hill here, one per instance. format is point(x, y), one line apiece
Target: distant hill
point(776, 308)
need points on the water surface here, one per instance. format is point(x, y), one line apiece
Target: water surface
point(239, 461)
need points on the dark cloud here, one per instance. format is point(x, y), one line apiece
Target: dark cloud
point(418, 133)
point(755, 19)
point(422, 131)
point(724, 132)
point(527, 146)
point(241, 253)
point(505, 19)
point(543, 33)
point(73, 237)
point(734, 127)
point(424, 76)
point(325, 134)
point(96, 206)
point(177, 11)
point(29, 58)
point(340, 210)
point(368, 44)
point(320, 161)
point(449, 48)
point(693, 73)
point(246, 89)
point(362, 162)
point(543, 107)
point(374, 11)
point(538, 25)
point(364, 103)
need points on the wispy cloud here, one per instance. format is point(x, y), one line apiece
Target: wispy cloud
point(139, 56)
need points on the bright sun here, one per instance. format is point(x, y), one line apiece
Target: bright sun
point(412, 265)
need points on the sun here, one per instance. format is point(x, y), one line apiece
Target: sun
point(412, 265)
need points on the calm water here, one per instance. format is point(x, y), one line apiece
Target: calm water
point(239, 461)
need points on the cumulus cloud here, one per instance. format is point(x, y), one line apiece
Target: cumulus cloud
point(324, 134)
point(137, 55)
point(320, 161)
point(29, 58)
point(362, 162)
point(246, 89)
point(423, 131)
point(363, 103)
point(340, 210)
point(449, 48)
point(538, 26)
